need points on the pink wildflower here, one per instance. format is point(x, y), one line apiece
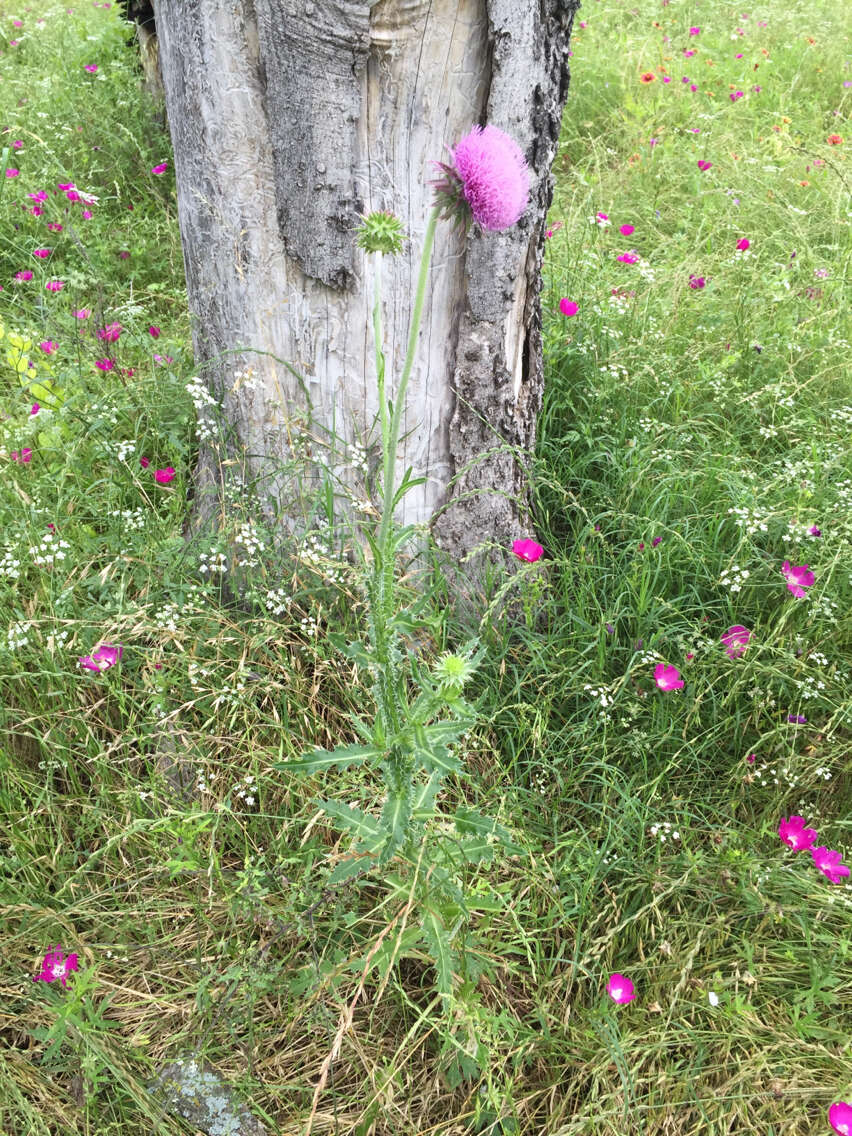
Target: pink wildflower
point(48, 346)
point(55, 966)
point(42, 254)
point(794, 834)
point(91, 68)
point(106, 655)
point(829, 863)
point(568, 307)
point(814, 530)
point(25, 275)
point(602, 218)
point(620, 989)
point(527, 550)
point(10, 173)
point(628, 257)
point(104, 364)
point(695, 31)
point(154, 331)
point(24, 456)
point(704, 165)
point(736, 95)
point(35, 409)
point(164, 476)
point(797, 578)
point(160, 169)
point(743, 244)
point(54, 285)
point(144, 462)
point(667, 677)
point(840, 1118)
point(489, 174)
point(697, 282)
point(110, 333)
point(83, 313)
point(736, 639)
point(626, 230)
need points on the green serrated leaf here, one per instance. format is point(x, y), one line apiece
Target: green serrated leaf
point(423, 802)
point(395, 817)
point(368, 829)
point(440, 950)
point(346, 869)
point(319, 760)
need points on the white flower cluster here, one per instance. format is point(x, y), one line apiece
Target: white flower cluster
point(195, 673)
point(823, 772)
point(772, 775)
point(212, 562)
point(601, 695)
point(249, 379)
point(768, 431)
point(247, 536)
point(317, 551)
point(664, 831)
point(203, 401)
point(17, 636)
point(734, 577)
point(309, 624)
point(358, 457)
point(167, 617)
point(202, 784)
point(9, 565)
point(125, 450)
point(49, 550)
point(132, 520)
point(247, 790)
point(230, 693)
point(752, 520)
point(109, 413)
point(277, 601)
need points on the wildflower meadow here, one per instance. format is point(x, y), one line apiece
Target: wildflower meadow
point(290, 844)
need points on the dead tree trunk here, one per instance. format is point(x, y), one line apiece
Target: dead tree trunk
point(290, 118)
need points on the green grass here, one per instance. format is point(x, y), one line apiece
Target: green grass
point(717, 419)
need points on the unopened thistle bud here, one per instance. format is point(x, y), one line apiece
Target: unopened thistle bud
point(381, 232)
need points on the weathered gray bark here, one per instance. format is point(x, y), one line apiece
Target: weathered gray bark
point(289, 119)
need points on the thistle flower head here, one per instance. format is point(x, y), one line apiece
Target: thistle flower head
point(380, 232)
point(488, 180)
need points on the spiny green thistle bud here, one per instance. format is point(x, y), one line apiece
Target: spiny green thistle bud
point(381, 232)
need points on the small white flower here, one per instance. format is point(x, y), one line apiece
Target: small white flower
point(713, 998)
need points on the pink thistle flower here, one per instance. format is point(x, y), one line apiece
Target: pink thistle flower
point(525, 549)
point(110, 333)
point(620, 989)
point(797, 578)
point(743, 244)
point(704, 165)
point(736, 639)
point(667, 677)
point(25, 275)
point(56, 966)
point(568, 307)
point(104, 364)
point(840, 1118)
point(48, 346)
point(42, 254)
point(164, 476)
point(626, 230)
point(160, 169)
point(794, 834)
point(154, 332)
point(54, 285)
point(106, 655)
point(829, 863)
point(489, 173)
point(91, 68)
point(628, 257)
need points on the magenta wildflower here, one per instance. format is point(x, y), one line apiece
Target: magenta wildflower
point(797, 578)
point(695, 31)
point(736, 639)
point(24, 456)
point(829, 863)
point(56, 966)
point(750, 759)
point(704, 165)
point(794, 834)
point(48, 346)
point(160, 169)
point(568, 307)
point(110, 333)
point(24, 275)
point(163, 360)
point(489, 173)
point(628, 257)
point(106, 655)
point(91, 68)
point(54, 285)
point(620, 989)
point(164, 476)
point(667, 677)
point(736, 95)
point(657, 540)
point(840, 1113)
point(42, 254)
point(154, 331)
point(799, 719)
point(626, 230)
point(526, 550)
point(550, 232)
point(743, 244)
point(10, 173)
point(86, 214)
point(83, 313)
point(104, 364)
point(814, 530)
point(697, 281)
point(35, 409)
point(144, 462)
point(602, 218)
